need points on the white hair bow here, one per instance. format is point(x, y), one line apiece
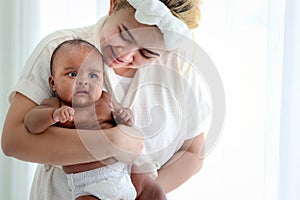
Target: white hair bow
point(154, 12)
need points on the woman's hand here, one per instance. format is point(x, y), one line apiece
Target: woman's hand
point(146, 187)
point(127, 143)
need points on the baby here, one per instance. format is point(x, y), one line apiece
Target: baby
point(77, 82)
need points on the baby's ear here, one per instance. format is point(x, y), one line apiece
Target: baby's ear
point(51, 83)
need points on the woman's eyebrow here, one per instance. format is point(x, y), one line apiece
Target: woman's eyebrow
point(131, 36)
point(128, 32)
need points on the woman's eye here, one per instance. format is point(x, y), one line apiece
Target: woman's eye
point(72, 74)
point(145, 54)
point(148, 54)
point(93, 76)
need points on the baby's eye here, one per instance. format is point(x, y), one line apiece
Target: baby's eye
point(72, 74)
point(93, 75)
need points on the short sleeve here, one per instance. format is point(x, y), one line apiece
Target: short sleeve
point(197, 103)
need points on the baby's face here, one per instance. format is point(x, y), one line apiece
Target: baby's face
point(78, 75)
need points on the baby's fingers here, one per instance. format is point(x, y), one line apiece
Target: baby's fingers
point(67, 114)
point(63, 114)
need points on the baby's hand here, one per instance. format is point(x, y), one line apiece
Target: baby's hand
point(63, 114)
point(124, 116)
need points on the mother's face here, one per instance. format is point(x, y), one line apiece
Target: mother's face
point(125, 43)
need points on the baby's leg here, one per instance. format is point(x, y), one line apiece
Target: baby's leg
point(89, 197)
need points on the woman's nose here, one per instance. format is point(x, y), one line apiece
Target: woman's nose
point(126, 54)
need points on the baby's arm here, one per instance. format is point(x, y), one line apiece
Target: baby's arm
point(48, 113)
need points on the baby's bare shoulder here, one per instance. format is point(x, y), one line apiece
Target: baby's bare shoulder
point(51, 102)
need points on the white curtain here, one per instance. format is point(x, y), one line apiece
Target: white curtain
point(289, 173)
point(19, 33)
point(276, 19)
point(282, 161)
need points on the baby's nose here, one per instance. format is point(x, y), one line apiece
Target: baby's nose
point(82, 81)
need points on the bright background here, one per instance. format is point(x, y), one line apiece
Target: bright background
point(254, 47)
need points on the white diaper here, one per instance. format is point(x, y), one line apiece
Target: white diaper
point(106, 183)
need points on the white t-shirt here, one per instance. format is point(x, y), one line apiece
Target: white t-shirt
point(124, 82)
point(167, 98)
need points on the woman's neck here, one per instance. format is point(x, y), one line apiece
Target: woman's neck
point(126, 72)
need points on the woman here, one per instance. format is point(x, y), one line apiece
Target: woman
point(131, 36)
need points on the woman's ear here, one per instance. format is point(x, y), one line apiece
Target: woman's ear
point(51, 83)
point(112, 4)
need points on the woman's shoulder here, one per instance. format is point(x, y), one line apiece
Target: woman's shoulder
point(58, 36)
point(42, 52)
point(53, 39)
point(86, 33)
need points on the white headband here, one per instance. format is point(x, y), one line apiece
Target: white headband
point(154, 12)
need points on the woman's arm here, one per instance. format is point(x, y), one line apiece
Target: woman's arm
point(60, 146)
point(184, 164)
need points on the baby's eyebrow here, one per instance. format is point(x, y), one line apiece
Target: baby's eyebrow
point(98, 71)
point(71, 68)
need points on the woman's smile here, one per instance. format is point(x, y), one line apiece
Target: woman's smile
point(115, 58)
